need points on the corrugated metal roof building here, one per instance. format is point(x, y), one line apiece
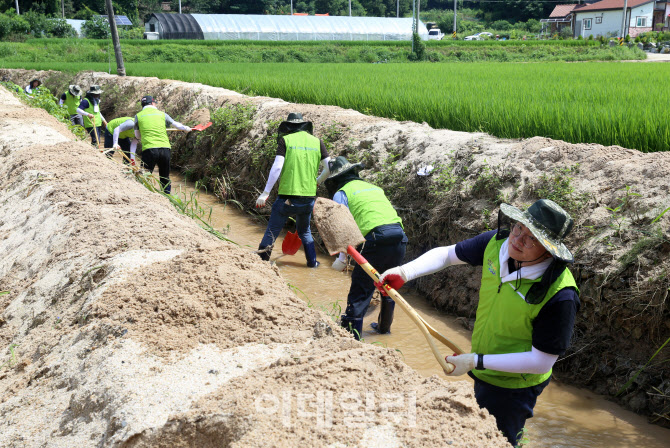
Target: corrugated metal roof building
point(280, 28)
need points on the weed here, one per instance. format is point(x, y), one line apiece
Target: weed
point(12, 357)
point(557, 187)
point(522, 437)
point(489, 181)
point(332, 133)
point(634, 377)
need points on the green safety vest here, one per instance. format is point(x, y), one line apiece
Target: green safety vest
point(151, 122)
point(301, 165)
point(504, 321)
point(72, 103)
point(115, 123)
point(369, 206)
point(97, 117)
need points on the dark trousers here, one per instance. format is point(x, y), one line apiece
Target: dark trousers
point(76, 119)
point(384, 248)
point(124, 143)
point(300, 207)
point(161, 157)
point(510, 407)
point(92, 132)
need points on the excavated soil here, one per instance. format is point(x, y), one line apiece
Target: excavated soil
point(128, 325)
point(447, 186)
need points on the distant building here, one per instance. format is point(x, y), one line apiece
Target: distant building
point(279, 28)
point(604, 18)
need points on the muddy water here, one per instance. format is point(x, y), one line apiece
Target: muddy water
point(564, 416)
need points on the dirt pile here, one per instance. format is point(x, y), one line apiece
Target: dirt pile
point(125, 324)
point(447, 186)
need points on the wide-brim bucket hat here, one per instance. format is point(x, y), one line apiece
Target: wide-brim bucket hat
point(341, 166)
point(75, 90)
point(548, 223)
point(295, 117)
point(95, 90)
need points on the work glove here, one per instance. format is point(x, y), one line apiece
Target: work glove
point(260, 202)
point(394, 277)
point(339, 265)
point(464, 363)
point(188, 129)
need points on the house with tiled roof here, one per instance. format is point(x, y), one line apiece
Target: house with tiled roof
point(604, 18)
point(561, 17)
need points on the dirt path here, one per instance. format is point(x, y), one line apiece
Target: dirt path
point(128, 325)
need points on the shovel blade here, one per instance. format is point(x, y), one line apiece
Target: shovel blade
point(336, 226)
point(291, 243)
point(202, 127)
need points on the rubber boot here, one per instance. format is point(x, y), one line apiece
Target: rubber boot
point(265, 255)
point(385, 318)
point(310, 255)
point(353, 325)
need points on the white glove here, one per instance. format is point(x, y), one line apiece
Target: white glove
point(464, 363)
point(260, 202)
point(188, 129)
point(339, 265)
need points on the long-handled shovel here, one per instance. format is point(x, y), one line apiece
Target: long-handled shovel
point(198, 127)
point(340, 233)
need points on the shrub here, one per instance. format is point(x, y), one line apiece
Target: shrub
point(60, 28)
point(96, 28)
point(38, 23)
point(502, 25)
point(135, 32)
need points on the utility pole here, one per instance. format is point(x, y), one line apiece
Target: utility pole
point(623, 19)
point(349, 8)
point(455, 15)
point(62, 5)
point(120, 69)
point(418, 14)
point(17, 7)
point(179, 6)
point(291, 7)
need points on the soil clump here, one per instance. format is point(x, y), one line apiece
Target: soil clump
point(126, 324)
point(447, 186)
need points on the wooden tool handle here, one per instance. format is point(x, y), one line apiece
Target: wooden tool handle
point(395, 295)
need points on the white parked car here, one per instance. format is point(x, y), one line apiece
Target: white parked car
point(435, 34)
point(479, 36)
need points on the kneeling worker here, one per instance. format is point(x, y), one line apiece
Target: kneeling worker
point(384, 247)
point(526, 312)
point(151, 130)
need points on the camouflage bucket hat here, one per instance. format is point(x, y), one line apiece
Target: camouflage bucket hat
point(75, 90)
point(341, 166)
point(548, 222)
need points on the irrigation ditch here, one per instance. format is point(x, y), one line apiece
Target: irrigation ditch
point(618, 197)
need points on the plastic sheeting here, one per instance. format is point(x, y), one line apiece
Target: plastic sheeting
point(177, 26)
point(266, 27)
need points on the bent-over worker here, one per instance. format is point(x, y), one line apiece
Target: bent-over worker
point(528, 300)
point(297, 162)
point(384, 247)
point(120, 135)
point(32, 85)
point(151, 130)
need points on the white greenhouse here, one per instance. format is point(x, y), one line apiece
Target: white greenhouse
point(279, 28)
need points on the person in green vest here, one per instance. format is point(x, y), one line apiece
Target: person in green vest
point(150, 126)
point(384, 247)
point(71, 100)
point(528, 300)
point(89, 109)
point(120, 135)
point(297, 163)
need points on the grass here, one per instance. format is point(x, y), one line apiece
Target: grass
point(577, 103)
point(143, 51)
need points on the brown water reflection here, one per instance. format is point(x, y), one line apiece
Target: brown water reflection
point(565, 416)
